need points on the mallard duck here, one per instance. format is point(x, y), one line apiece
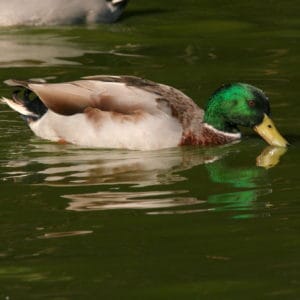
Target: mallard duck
point(59, 12)
point(134, 113)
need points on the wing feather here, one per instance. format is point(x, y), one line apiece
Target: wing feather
point(125, 95)
point(74, 97)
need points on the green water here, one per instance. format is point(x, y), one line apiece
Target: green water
point(186, 223)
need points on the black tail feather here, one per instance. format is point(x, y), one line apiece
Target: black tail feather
point(30, 100)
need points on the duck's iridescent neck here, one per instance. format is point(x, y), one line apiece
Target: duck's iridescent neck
point(216, 120)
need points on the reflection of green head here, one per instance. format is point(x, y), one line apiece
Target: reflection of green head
point(248, 184)
point(236, 104)
point(237, 177)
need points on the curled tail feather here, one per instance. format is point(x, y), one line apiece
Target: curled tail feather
point(24, 101)
point(21, 109)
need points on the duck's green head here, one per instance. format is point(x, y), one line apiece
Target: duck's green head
point(241, 104)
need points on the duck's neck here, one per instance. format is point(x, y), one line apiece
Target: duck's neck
point(217, 120)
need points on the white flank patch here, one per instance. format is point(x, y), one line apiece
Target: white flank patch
point(148, 133)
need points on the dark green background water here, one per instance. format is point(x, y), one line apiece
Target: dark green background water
point(183, 223)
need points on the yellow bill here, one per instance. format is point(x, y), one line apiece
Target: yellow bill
point(269, 133)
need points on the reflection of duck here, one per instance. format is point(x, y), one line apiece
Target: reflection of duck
point(55, 12)
point(84, 167)
point(129, 112)
point(23, 50)
point(238, 187)
point(155, 180)
point(249, 183)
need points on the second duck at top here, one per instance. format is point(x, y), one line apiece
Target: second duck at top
point(59, 12)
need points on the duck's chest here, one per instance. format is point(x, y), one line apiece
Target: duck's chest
point(206, 135)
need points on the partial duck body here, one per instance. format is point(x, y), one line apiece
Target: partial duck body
point(59, 12)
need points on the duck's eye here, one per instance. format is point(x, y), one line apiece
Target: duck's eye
point(251, 103)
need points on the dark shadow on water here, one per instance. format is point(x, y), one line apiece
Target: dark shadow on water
point(142, 12)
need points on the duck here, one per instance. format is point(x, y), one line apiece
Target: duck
point(128, 112)
point(59, 12)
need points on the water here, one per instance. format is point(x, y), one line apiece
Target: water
point(186, 223)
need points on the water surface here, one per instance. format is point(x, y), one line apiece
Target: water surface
point(180, 223)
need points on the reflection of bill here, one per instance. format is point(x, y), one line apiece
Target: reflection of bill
point(270, 157)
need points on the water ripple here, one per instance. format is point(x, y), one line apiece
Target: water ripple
point(120, 180)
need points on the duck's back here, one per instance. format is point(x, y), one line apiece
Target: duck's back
point(118, 112)
point(108, 112)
